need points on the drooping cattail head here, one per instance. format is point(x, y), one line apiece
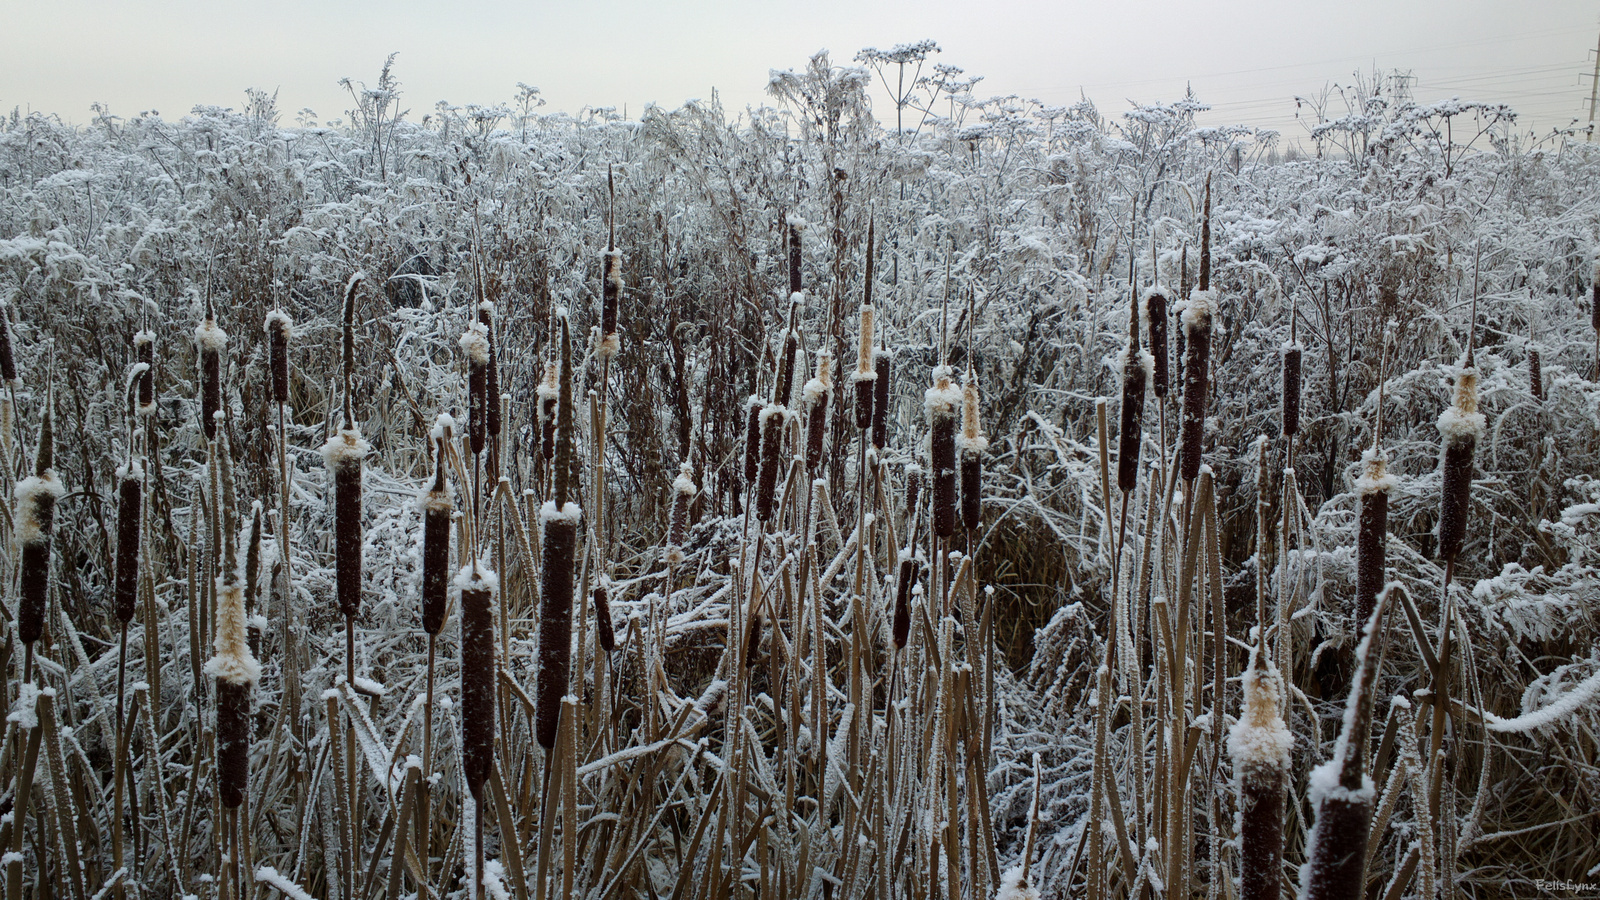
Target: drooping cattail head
point(1196, 379)
point(1291, 389)
point(1460, 427)
point(437, 507)
point(1535, 376)
point(882, 362)
point(36, 517)
point(8, 357)
point(560, 550)
point(816, 394)
point(866, 374)
point(212, 342)
point(1135, 364)
point(773, 418)
point(478, 588)
point(900, 630)
point(1155, 315)
point(683, 493)
point(279, 328)
point(343, 455)
point(611, 295)
point(236, 671)
point(1259, 745)
point(475, 346)
point(549, 392)
point(752, 441)
point(144, 351)
point(1373, 488)
point(605, 632)
point(971, 444)
point(941, 402)
point(491, 378)
point(130, 495)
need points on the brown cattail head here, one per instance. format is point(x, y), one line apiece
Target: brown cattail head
point(1155, 314)
point(913, 489)
point(236, 671)
point(279, 327)
point(941, 402)
point(437, 508)
point(478, 588)
point(1291, 389)
point(752, 641)
point(144, 349)
point(882, 361)
point(971, 445)
point(1205, 242)
point(866, 374)
point(564, 416)
point(901, 628)
point(1460, 427)
point(1136, 365)
point(752, 441)
point(1196, 379)
point(549, 392)
point(212, 342)
point(816, 394)
point(343, 455)
point(1594, 296)
point(560, 548)
point(475, 346)
point(683, 493)
point(794, 222)
point(130, 483)
point(611, 296)
point(773, 417)
point(8, 357)
point(491, 379)
point(605, 632)
point(1535, 376)
point(347, 346)
point(1373, 488)
point(1259, 744)
point(783, 388)
point(35, 517)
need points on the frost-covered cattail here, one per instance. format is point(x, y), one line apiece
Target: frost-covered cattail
point(478, 588)
point(941, 403)
point(1197, 357)
point(882, 362)
point(560, 546)
point(1259, 744)
point(1460, 427)
point(549, 393)
point(491, 377)
point(1155, 314)
point(1594, 298)
point(1535, 376)
point(252, 575)
point(1136, 366)
point(343, 455)
point(1291, 389)
point(605, 632)
point(8, 356)
point(212, 342)
point(816, 394)
point(683, 493)
point(752, 641)
point(36, 517)
point(752, 442)
point(794, 222)
point(236, 671)
point(437, 507)
point(783, 388)
point(971, 444)
point(130, 496)
point(900, 630)
point(279, 328)
point(913, 489)
point(144, 352)
point(610, 343)
point(773, 417)
point(475, 346)
point(1373, 488)
point(866, 374)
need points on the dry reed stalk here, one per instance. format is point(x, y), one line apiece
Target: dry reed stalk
point(941, 402)
point(1197, 357)
point(1259, 745)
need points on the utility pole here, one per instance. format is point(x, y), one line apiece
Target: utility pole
point(1594, 92)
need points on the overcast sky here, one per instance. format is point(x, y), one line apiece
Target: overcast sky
point(1248, 58)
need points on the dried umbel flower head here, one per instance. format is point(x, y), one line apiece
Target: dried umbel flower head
point(941, 402)
point(130, 496)
point(1373, 489)
point(560, 551)
point(1460, 427)
point(475, 346)
point(611, 295)
point(279, 328)
point(144, 352)
point(773, 418)
point(236, 671)
point(683, 493)
point(437, 508)
point(478, 588)
point(1155, 315)
point(1291, 389)
point(816, 394)
point(343, 455)
point(35, 517)
point(882, 362)
point(211, 341)
point(1259, 744)
point(971, 444)
point(549, 393)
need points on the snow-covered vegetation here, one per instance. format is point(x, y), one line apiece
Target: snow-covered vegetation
point(475, 503)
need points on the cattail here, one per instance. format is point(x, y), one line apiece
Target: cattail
point(1259, 744)
point(901, 628)
point(1535, 376)
point(491, 378)
point(1460, 427)
point(1155, 314)
point(1136, 365)
point(1291, 389)
point(794, 223)
point(1372, 532)
point(560, 547)
point(1594, 300)
point(752, 641)
point(971, 444)
point(144, 348)
point(1197, 356)
point(8, 357)
point(866, 374)
point(212, 342)
point(913, 489)
point(130, 480)
point(549, 392)
point(752, 441)
point(683, 493)
point(941, 402)
point(478, 588)
point(773, 417)
point(783, 388)
point(611, 289)
point(36, 516)
point(279, 327)
point(602, 620)
point(882, 361)
point(236, 671)
point(816, 394)
point(437, 507)
point(475, 345)
point(343, 455)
